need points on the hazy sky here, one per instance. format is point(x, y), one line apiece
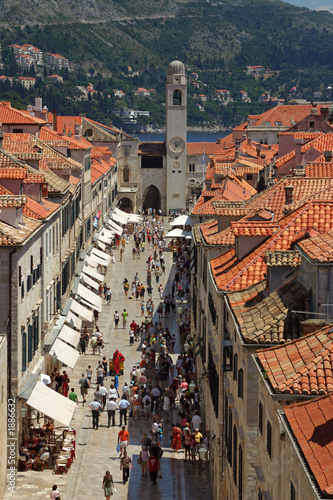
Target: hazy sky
point(314, 4)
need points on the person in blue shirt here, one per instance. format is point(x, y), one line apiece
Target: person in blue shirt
point(116, 383)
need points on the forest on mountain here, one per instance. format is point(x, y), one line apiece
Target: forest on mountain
point(217, 40)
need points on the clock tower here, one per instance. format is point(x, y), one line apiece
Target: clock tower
point(175, 135)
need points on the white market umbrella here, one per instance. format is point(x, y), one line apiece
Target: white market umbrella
point(176, 233)
point(182, 220)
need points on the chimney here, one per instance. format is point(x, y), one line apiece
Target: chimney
point(249, 141)
point(328, 156)
point(258, 148)
point(1, 139)
point(77, 131)
point(324, 112)
point(54, 120)
point(289, 194)
point(38, 104)
point(238, 142)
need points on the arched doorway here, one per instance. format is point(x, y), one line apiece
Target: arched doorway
point(126, 205)
point(151, 198)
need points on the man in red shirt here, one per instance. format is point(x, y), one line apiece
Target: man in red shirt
point(154, 467)
point(133, 326)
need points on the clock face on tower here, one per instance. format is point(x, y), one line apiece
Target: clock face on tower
point(176, 144)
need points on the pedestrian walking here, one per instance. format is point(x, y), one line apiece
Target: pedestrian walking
point(121, 254)
point(73, 396)
point(116, 319)
point(103, 390)
point(123, 438)
point(111, 408)
point(124, 315)
point(123, 407)
point(107, 485)
point(95, 407)
point(84, 385)
point(108, 296)
point(154, 467)
point(125, 466)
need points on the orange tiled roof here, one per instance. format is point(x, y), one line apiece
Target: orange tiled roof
point(13, 173)
point(319, 248)
point(302, 135)
point(302, 367)
point(283, 114)
point(319, 170)
point(210, 148)
point(37, 210)
point(253, 228)
point(312, 425)
point(66, 124)
point(13, 116)
point(312, 218)
point(322, 143)
point(265, 319)
point(283, 159)
point(32, 178)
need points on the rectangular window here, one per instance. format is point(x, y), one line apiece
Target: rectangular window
point(269, 439)
point(240, 473)
point(29, 282)
point(20, 276)
point(260, 417)
point(22, 290)
point(235, 367)
point(29, 343)
point(229, 439)
point(46, 242)
point(240, 383)
point(50, 242)
point(31, 264)
point(36, 333)
point(47, 307)
point(24, 351)
point(234, 459)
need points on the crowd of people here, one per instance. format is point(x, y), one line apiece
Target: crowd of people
point(161, 393)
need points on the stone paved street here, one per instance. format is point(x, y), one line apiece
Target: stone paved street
point(96, 449)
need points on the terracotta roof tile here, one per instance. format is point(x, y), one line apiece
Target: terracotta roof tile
point(32, 178)
point(13, 116)
point(289, 258)
point(304, 366)
point(322, 143)
point(264, 319)
point(13, 173)
point(319, 170)
point(255, 228)
point(284, 159)
point(319, 248)
point(10, 235)
point(231, 274)
point(312, 425)
point(283, 114)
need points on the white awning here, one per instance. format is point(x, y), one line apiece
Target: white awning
point(88, 260)
point(65, 353)
point(107, 233)
point(69, 335)
point(104, 238)
point(90, 296)
point(94, 274)
point(85, 302)
point(52, 404)
point(82, 311)
point(93, 257)
point(118, 218)
point(182, 220)
point(101, 245)
point(102, 255)
point(77, 321)
point(89, 281)
point(115, 226)
point(176, 233)
point(134, 218)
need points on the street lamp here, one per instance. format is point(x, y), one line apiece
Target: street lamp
point(71, 323)
point(23, 411)
point(186, 346)
point(192, 387)
point(202, 452)
point(54, 358)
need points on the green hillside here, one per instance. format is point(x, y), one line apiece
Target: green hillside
point(216, 39)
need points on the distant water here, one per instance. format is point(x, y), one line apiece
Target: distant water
point(191, 136)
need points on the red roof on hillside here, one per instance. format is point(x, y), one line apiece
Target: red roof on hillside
point(13, 116)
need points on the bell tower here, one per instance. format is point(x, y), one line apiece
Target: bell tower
point(175, 135)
